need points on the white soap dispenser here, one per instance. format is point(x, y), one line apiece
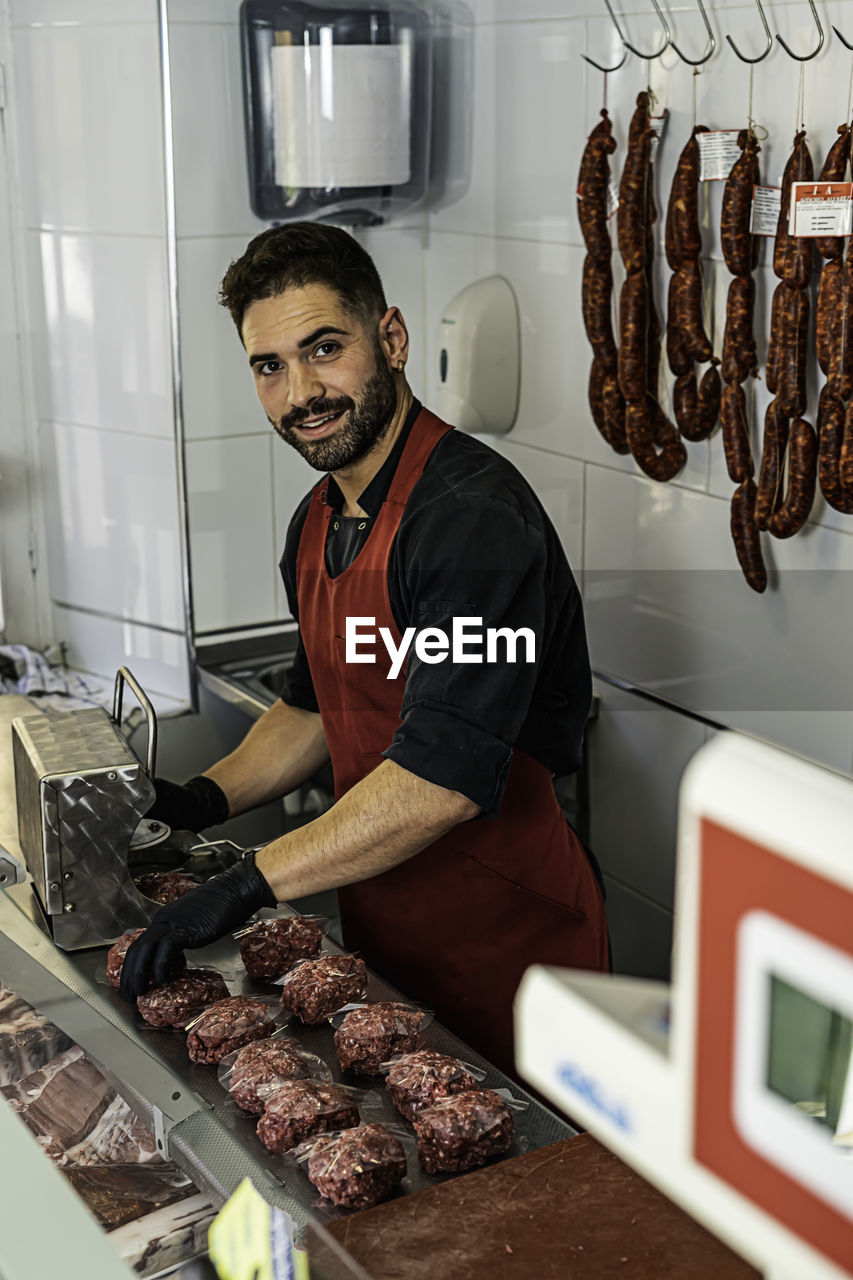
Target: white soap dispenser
point(479, 358)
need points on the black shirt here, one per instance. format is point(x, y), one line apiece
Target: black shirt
point(473, 541)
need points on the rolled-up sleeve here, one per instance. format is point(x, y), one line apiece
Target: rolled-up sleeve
point(476, 558)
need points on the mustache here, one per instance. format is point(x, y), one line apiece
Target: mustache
point(319, 410)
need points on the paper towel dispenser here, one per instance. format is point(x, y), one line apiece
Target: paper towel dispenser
point(338, 105)
point(479, 358)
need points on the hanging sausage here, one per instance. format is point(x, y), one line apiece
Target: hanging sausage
point(605, 398)
point(652, 439)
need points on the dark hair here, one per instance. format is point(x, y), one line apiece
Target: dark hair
point(298, 254)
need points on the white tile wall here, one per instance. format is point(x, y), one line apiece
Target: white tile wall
point(211, 183)
point(637, 753)
point(99, 305)
point(230, 492)
point(113, 539)
point(217, 388)
point(91, 127)
point(158, 659)
point(399, 258)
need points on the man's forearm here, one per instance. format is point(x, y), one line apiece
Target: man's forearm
point(282, 750)
point(386, 818)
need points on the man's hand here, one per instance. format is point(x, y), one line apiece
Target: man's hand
point(201, 916)
point(198, 804)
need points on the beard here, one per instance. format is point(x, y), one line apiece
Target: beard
point(369, 418)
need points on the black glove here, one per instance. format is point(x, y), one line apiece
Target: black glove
point(199, 917)
point(196, 805)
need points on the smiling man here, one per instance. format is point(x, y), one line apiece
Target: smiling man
point(454, 865)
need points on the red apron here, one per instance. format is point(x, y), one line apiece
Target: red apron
point(456, 925)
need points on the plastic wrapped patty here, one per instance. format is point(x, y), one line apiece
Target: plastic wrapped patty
point(260, 1067)
point(462, 1132)
point(118, 951)
point(418, 1080)
point(174, 1003)
point(369, 1036)
point(315, 988)
point(300, 1108)
point(270, 947)
point(226, 1026)
point(357, 1168)
point(165, 886)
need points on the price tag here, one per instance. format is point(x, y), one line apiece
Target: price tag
point(821, 209)
point(764, 216)
point(718, 151)
point(612, 198)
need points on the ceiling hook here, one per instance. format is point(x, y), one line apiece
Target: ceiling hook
point(647, 57)
point(697, 62)
point(808, 57)
point(769, 37)
point(598, 65)
point(843, 41)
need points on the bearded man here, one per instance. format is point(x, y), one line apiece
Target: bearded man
point(442, 665)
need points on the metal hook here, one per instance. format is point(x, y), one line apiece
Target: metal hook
point(647, 57)
point(763, 55)
point(843, 41)
point(808, 57)
point(598, 65)
point(697, 62)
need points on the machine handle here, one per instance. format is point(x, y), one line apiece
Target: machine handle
point(123, 677)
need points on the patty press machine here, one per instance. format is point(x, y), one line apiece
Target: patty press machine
point(82, 794)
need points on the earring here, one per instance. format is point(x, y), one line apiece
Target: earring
point(401, 364)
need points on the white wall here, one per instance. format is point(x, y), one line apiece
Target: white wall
point(90, 138)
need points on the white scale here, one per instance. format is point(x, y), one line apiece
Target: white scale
point(731, 1089)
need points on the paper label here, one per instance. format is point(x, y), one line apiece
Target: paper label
point(821, 209)
point(612, 198)
point(657, 123)
point(249, 1240)
point(764, 216)
point(341, 115)
point(718, 151)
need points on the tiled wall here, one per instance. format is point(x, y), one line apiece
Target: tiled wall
point(87, 101)
point(667, 608)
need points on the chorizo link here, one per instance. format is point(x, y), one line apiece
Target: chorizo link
point(614, 413)
point(631, 216)
point(632, 338)
point(683, 238)
point(792, 366)
point(828, 304)
point(794, 510)
point(792, 255)
point(845, 463)
point(834, 169)
point(830, 431)
point(772, 457)
point(745, 535)
point(736, 434)
point(593, 181)
point(676, 352)
point(688, 310)
point(841, 374)
point(778, 336)
point(685, 405)
point(739, 355)
point(645, 422)
point(596, 294)
point(740, 249)
point(710, 389)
